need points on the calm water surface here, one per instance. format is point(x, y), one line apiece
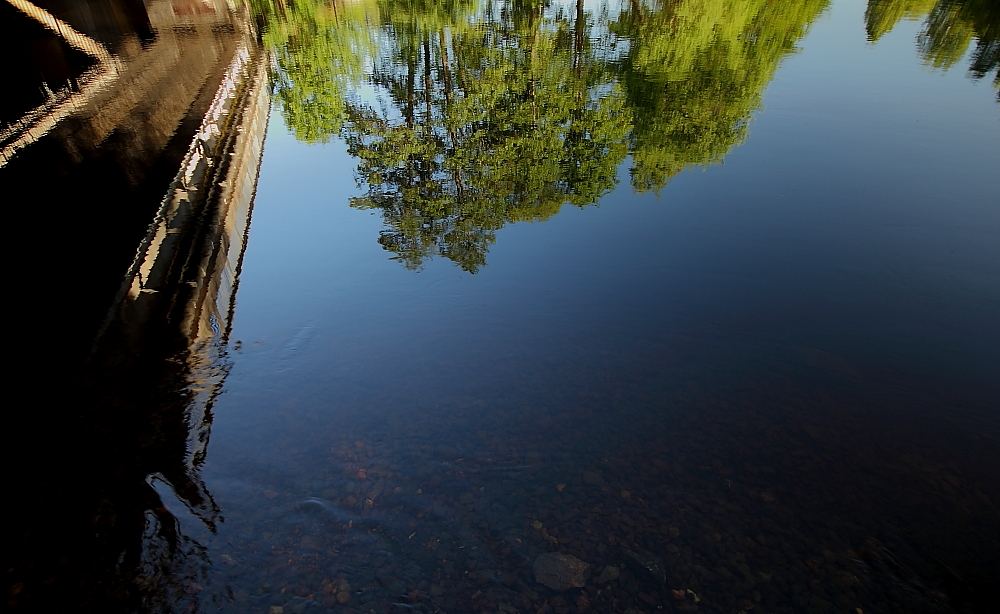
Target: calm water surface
point(703, 293)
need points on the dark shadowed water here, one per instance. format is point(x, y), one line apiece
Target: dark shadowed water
point(703, 293)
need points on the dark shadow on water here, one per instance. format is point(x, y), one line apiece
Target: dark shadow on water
point(124, 352)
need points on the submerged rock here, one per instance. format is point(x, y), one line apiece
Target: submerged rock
point(647, 564)
point(561, 571)
point(609, 574)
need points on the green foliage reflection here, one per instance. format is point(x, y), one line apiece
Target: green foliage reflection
point(319, 51)
point(491, 120)
point(465, 116)
point(949, 29)
point(695, 73)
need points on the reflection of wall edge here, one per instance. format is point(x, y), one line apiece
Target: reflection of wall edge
point(125, 89)
point(187, 261)
point(178, 297)
point(209, 317)
point(38, 122)
point(213, 314)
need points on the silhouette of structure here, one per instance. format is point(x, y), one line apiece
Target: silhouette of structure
point(130, 126)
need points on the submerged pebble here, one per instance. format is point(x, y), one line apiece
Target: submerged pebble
point(646, 564)
point(560, 571)
point(609, 574)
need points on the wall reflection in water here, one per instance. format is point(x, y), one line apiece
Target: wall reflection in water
point(125, 114)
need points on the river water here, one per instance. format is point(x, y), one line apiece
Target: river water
point(705, 294)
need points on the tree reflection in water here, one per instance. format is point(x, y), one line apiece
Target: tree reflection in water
point(490, 113)
point(948, 30)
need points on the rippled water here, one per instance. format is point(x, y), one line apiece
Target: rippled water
point(702, 293)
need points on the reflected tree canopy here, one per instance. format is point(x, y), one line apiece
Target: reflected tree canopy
point(465, 116)
point(319, 49)
point(485, 119)
point(949, 29)
point(695, 72)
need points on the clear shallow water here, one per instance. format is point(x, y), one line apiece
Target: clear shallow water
point(763, 349)
point(759, 374)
